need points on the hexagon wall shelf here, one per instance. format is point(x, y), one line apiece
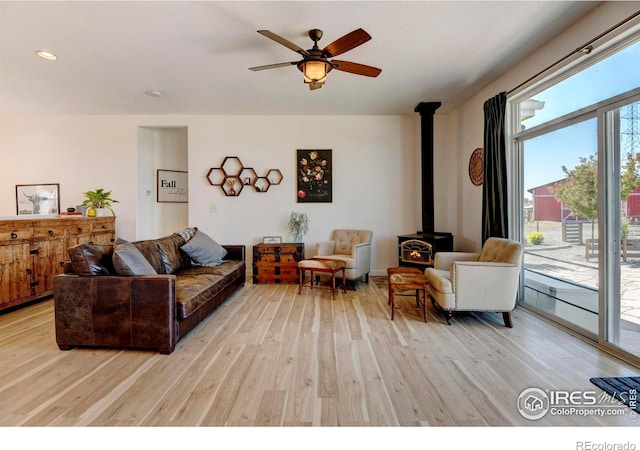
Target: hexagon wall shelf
point(232, 176)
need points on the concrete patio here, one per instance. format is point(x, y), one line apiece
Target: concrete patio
point(566, 261)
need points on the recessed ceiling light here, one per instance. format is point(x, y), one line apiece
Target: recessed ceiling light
point(153, 93)
point(46, 55)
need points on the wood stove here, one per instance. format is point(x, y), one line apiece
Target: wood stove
point(419, 249)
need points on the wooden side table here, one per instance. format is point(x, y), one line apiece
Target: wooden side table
point(328, 266)
point(402, 279)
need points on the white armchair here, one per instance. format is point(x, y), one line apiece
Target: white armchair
point(351, 246)
point(485, 281)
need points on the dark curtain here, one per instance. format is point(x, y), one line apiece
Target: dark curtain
point(494, 190)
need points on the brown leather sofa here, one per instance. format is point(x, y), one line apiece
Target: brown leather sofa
point(99, 307)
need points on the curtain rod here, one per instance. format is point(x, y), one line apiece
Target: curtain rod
point(585, 48)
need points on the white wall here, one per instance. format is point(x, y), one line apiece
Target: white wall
point(375, 179)
point(466, 129)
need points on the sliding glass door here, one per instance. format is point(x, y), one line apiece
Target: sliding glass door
point(561, 228)
point(576, 154)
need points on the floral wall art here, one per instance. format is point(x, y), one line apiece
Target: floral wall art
point(314, 176)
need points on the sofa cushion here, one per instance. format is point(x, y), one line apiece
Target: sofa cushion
point(229, 270)
point(151, 252)
point(204, 251)
point(91, 259)
point(440, 280)
point(173, 259)
point(128, 260)
point(347, 259)
point(194, 291)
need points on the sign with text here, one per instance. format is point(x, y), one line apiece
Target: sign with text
point(172, 186)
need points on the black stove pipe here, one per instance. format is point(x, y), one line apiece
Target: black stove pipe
point(427, 110)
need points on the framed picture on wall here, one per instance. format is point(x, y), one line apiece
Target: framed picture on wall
point(172, 186)
point(37, 199)
point(314, 176)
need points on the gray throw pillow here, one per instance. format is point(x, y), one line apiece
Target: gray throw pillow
point(204, 251)
point(128, 260)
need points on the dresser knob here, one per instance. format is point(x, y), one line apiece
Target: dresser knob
point(50, 232)
point(14, 236)
point(79, 230)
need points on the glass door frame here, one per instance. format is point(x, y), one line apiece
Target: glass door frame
point(610, 276)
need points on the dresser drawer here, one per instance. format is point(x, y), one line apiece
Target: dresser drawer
point(52, 230)
point(13, 232)
point(276, 274)
point(102, 225)
point(279, 258)
point(80, 228)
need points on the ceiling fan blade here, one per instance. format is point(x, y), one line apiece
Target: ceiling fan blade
point(283, 41)
point(358, 69)
point(346, 43)
point(273, 66)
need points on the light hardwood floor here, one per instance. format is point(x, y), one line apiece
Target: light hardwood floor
point(271, 357)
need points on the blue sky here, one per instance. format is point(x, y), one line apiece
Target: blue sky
point(545, 155)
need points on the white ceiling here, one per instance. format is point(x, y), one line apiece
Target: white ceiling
point(198, 54)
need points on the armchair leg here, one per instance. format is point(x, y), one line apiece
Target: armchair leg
point(448, 315)
point(506, 316)
point(366, 277)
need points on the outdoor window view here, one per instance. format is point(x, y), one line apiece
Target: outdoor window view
point(583, 244)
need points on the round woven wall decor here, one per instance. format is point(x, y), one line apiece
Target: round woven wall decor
point(476, 163)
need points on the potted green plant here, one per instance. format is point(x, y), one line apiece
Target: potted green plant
point(298, 225)
point(97, 201)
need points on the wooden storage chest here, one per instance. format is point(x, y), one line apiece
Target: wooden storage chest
point(276, 263)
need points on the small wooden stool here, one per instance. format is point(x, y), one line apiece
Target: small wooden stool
point(329, 266)
point(403, 279)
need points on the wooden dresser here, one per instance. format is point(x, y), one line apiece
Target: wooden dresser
point(276, 263)
point(33, 251)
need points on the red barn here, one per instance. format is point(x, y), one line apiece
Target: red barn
point(547, 207)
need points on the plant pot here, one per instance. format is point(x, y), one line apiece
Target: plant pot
point(91, 211)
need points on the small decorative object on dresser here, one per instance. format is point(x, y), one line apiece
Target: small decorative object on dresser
point(97, 201)
point(277, 263)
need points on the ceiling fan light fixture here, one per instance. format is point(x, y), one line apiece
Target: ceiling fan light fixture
point(315, 71)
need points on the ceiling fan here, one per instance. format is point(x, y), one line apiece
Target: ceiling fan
point(315, 63)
